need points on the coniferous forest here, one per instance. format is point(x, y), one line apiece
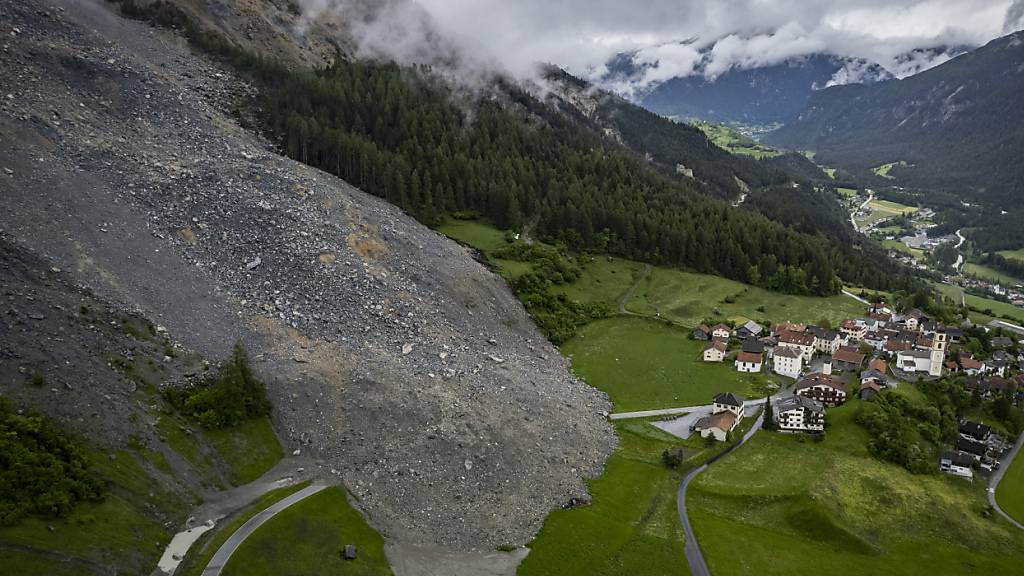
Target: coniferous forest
point(406, 135)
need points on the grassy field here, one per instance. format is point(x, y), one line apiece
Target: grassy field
point(999, 309)
point(96, 535)
point(203, 549)
point(831, 172)
point(307, 539)
point(645, 364)
point(801, 507)
point(917, 253)
point(731, 140)
point(1010, 494)
point(884, 169)
point(631, 526)
point(990, 274)
point(1013, 254)
point(250, 449)
point(847, 193)
point(485, 238)
point(604, 279)
point(688, 298)
point(883, 210)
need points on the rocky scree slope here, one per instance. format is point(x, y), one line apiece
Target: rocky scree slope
point(390, 353)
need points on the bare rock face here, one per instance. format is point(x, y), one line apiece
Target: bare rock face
point(393, 357)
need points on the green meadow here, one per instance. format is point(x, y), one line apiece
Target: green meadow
point(645, 364)
point(782, 504)
point(631, 525)
point(1010, 494)
point(308, 538)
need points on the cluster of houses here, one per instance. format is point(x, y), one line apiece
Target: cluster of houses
point(910, 345)
point(976, 444)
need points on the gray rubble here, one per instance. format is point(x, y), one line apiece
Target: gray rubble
point(124, 164)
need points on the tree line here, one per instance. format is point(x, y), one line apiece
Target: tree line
point(403, 134)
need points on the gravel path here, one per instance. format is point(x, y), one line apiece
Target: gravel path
point(220, 559)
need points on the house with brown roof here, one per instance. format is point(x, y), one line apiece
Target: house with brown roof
point(720, 331)
point(878, 364)
point(970, 366)
point(848, 358)
point(824, 388)
point(748, 362)
point(801, 341)
point(702, 332)
point(717, 425)
point(853, 330)
point(869, 390)
point(781, 327)
point(715, 352)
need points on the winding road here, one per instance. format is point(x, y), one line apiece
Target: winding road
point(871, 196)
point(993, 482)
point(694, 555)
point(223, 554)
point(959, 257)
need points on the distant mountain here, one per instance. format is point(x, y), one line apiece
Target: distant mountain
point(957, 127)
point(766, 95)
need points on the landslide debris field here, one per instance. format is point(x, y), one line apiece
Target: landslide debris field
point(400, 364)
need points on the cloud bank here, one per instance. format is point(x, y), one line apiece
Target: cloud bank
point(668, 38)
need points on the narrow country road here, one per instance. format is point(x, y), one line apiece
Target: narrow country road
point(855, 297)
point(871, 196)
point(632, 290)
point(223, 554)
point(959, 257)
point(694, 556)
point(672, 411)
point(993, 482)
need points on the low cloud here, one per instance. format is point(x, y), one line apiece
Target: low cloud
point(666, 38)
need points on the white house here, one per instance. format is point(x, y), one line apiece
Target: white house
point(748, 362)
point(720, 331)
point(914, 360)
point(825, 341)
point(800, 341)
point(715, 352)
point(853, 330)
point(956, 463)
point(799, 414)
point(787, 361)
point(727, 402)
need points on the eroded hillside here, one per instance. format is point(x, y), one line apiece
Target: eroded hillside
point(395, 359)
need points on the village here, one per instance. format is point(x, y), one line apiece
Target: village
point(821, 367)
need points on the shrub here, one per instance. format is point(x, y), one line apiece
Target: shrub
point(42, 472)
point(228, 398)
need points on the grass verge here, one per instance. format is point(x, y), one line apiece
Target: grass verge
point(307, 539)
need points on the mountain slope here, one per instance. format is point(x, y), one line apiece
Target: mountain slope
point(958, 127)
point(763, 95)
point(400, 365)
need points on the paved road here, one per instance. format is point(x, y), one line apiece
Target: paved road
point(855, 297)
point(672, 411)
point(959, 257)
point(993, 482)
point(694, 556)
point(632, 290)
point(871, 196)
point(228, 548)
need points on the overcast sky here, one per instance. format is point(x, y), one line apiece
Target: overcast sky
point(581, 35)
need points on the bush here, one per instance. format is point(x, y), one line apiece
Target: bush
point(228, 398)
point(42, 472)
point(673, 458)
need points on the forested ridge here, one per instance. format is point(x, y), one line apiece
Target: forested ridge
point(403, 134)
